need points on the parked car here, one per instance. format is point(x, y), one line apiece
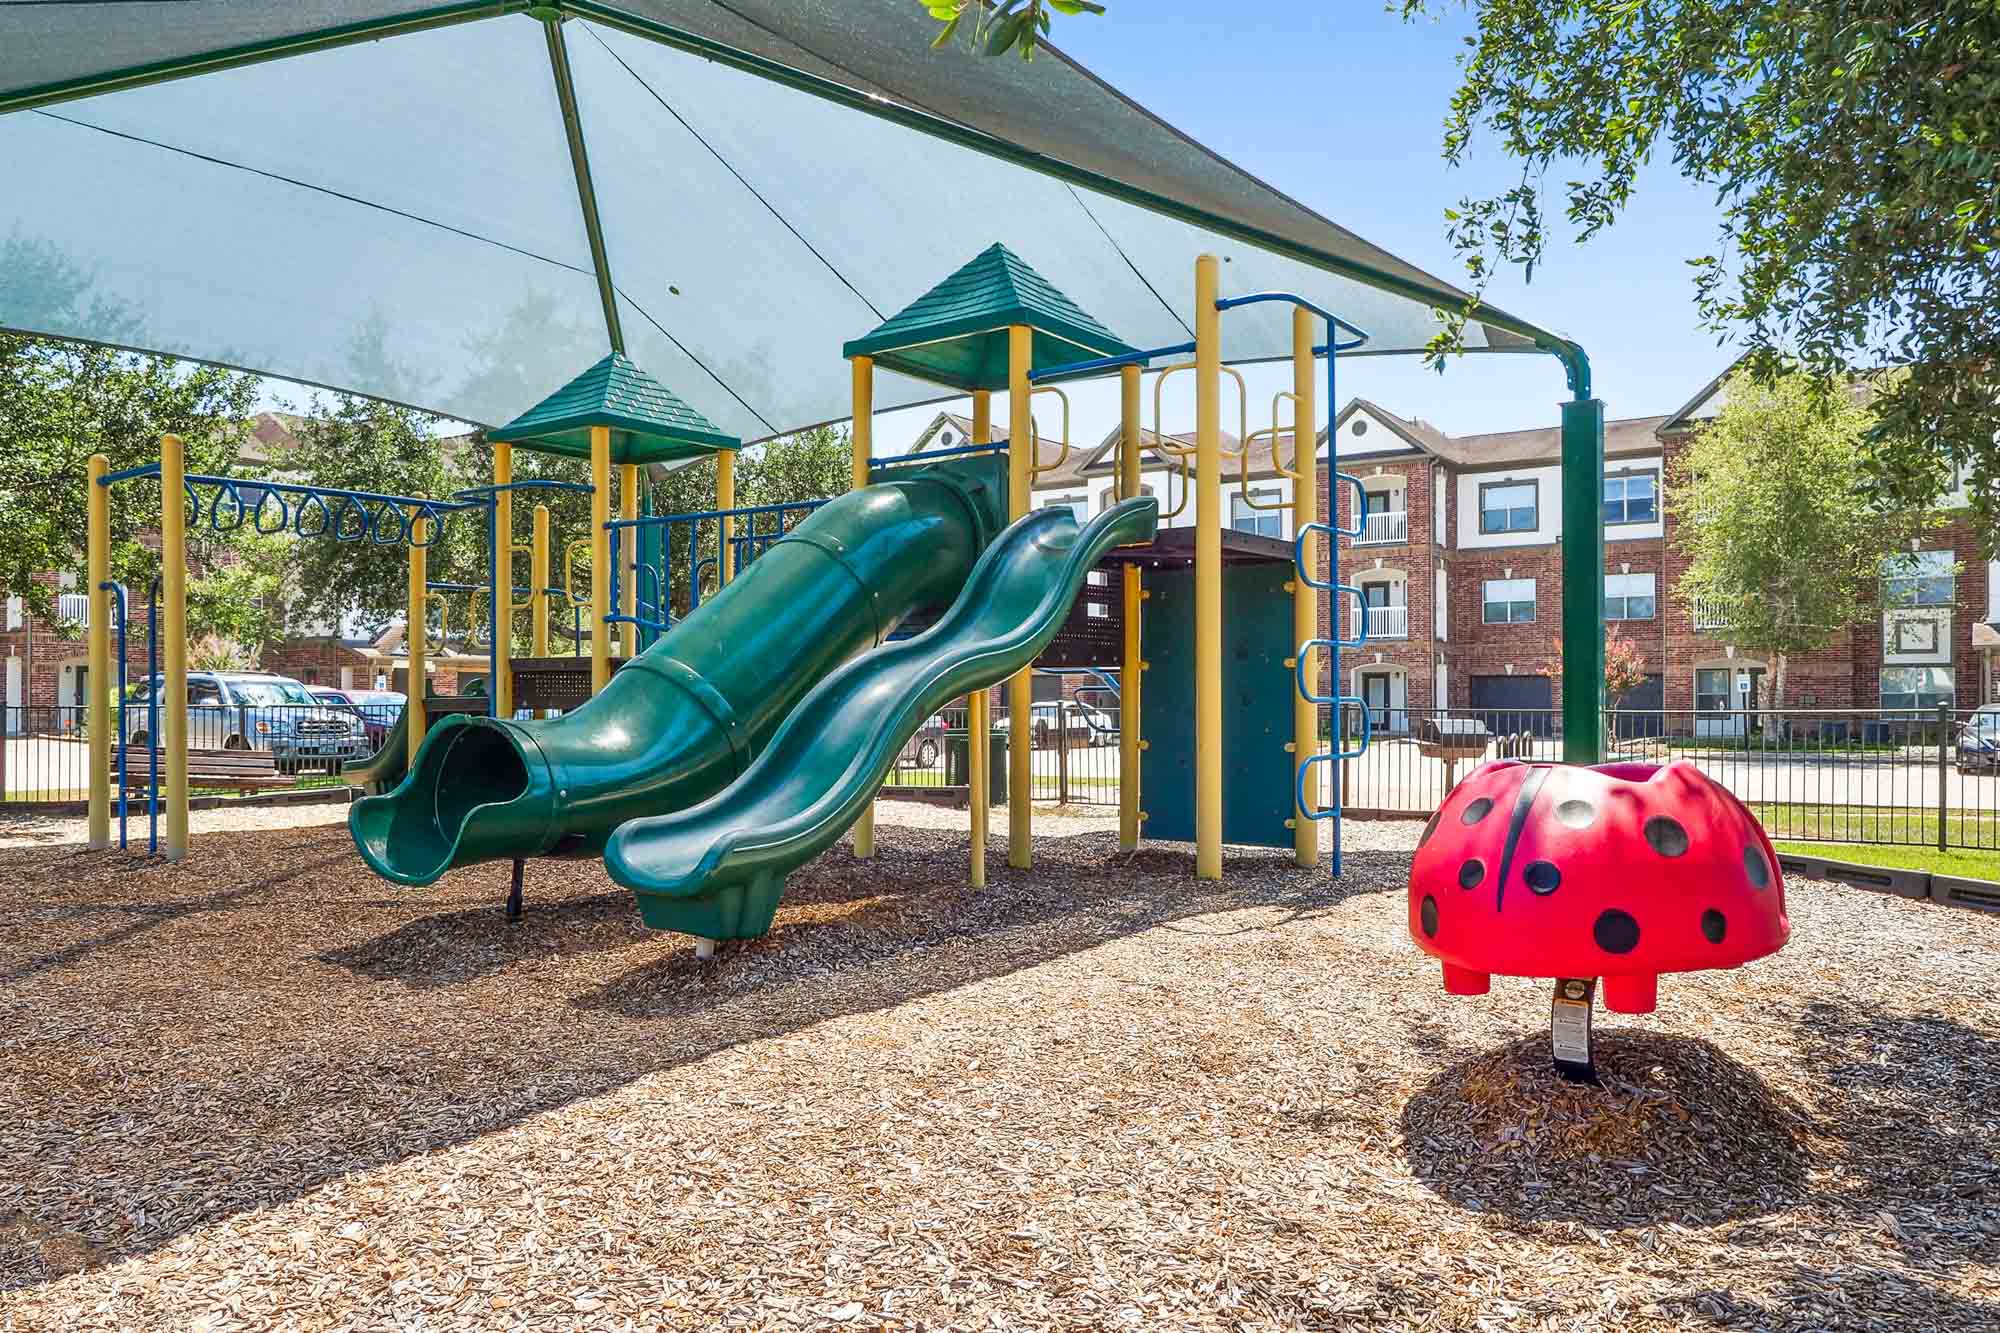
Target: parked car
point(1088, 725)
point(1979, 742)
point(254, 710)
point(926, 745)
point(377, 709)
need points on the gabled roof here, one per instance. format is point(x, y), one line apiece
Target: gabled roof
point(961, 424)
point(1541, 445)
point(649, 422)
point(956, 333)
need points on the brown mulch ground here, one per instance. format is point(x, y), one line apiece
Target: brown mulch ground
point(264, 1089)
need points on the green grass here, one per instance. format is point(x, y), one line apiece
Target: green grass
point(1877, 825)
point(1970, 865)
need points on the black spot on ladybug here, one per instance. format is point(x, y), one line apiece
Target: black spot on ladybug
point(1428, 913)
point(1475, 812)
point(1431, 827)
point(1542, 877)
point(1667, 837)
point(1577, 814)
point(1471, 873)
point(1714, 925)
point(1754, 867)
point(1616, 931)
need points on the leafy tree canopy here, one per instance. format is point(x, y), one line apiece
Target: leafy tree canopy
point(1855, 151)
point(997, 28)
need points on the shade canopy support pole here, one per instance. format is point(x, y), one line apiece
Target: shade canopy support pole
point(586, 192)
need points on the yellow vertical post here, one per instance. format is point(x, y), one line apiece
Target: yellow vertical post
point(628, 557)
point(725, 499)
point(503, 582)
point(600, 557)
point(1021, 461)
point(173, 638)
point(1305, 601)
point(1207, 572)
point(542, 572)
point(978, 723)
point(862, 437)
point(538, 594)
point(1130, 667)
point(97, 564)
point(415, 639)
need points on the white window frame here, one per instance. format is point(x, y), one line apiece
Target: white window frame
point(1241, 512)
point(1534, 507)
point(1622, 480)
point(1624, 589)
point(1487, 600)
point(1916, 569)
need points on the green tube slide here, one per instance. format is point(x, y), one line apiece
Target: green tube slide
point(717, 869)
point(686, 717)
point(382, 770)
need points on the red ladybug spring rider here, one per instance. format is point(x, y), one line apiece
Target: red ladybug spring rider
point(1622, 871)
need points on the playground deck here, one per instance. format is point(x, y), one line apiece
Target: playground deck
point(262, 1088)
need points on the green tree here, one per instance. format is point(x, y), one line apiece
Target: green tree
point(1783, 532)
point(1854, 148)
point(815, 464)
point(62, 402)
point(997, 28)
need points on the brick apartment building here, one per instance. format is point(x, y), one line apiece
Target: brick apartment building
point(1460, 563)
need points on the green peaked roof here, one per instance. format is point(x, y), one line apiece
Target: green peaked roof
point(956, 333)
point(649, 422)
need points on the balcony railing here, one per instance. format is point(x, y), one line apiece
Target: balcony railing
point(74, 607)
point(1388, 622)
point(1710, 614)
point(1389, 526)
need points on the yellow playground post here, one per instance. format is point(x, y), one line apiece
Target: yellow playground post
point(1021, 463)
point(1130, 666)
point(416, 637)
point(502, 596)
point(628, 558)
point(1207, 571)
point(600, 557)
point(98, 709)
point(1305, 601)
point(173, 638)
point(978, 722)
point(725, 500)
point(863, 439)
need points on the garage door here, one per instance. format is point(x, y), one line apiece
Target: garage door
point(1639, 712)
point(1508, 704)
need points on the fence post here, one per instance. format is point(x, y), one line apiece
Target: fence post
point(1944, 770)
point(1062, 759)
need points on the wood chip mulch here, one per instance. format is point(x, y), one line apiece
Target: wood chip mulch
point(263, 1089)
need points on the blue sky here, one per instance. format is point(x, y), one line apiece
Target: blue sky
point(1339, 103)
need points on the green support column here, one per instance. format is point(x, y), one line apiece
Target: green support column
point(1583, 580)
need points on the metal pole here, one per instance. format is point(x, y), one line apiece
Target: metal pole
point(1583, 580)
point(600, 557)
point(173, 634)
point(501, 600)
point(862, 438)
point(1305, 600)
point(416, 649)
point(1944, 772)
point(725, 499)
point(1062, 754)
point(1207, 571)
point(540, 597)
point(1336, 738)
point(1130, 666)
point(97, 713)
point(628, 590)
point(978, 722)
point(1020, 694)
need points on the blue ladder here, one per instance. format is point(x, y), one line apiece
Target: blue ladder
point(1302, 568)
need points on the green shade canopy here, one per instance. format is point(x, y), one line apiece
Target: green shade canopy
point(649, 422)
point(956, 333)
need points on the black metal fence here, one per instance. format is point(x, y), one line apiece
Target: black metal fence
point(233, 746)
point(1073, 749)
point(1916, 778)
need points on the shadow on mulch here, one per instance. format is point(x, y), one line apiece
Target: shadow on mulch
point(1679, 1132)
point(311, 1077)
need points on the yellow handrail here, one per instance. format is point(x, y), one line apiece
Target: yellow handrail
point(1035, 468)
point(570, 549)
point(514, 549)
point(1290, 474)
point(443, 641)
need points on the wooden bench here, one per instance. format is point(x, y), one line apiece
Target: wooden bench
point(243, 770)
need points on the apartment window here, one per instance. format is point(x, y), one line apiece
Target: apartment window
point(1632, 497)
point(1076, 504)
point(1917, 689)
point(1711, 690)
point(1921, 578)
point(1628, 596)
point(1377, 502)
point(1508, 601)
point(1508, 506)
point(1245, 517)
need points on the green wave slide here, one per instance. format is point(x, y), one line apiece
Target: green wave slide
point(717, 869)
point(685, 718)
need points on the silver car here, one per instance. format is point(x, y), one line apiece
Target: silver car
point(253, 710)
